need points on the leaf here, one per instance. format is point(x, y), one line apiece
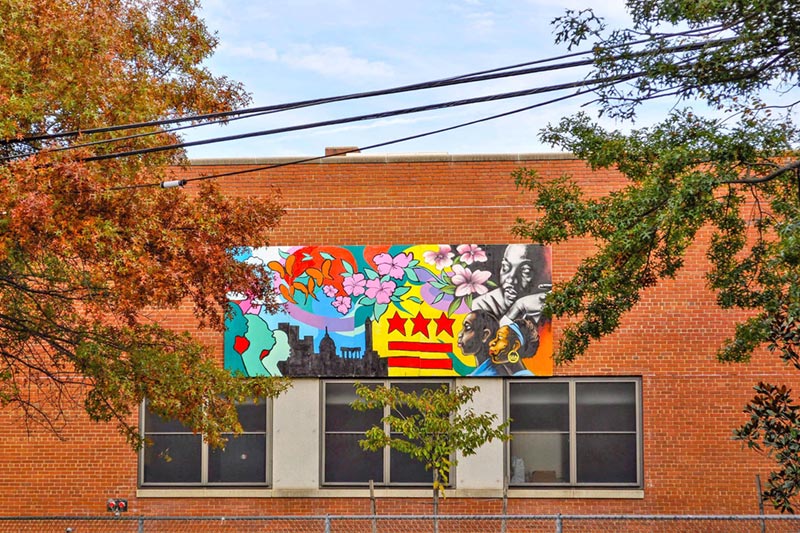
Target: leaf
point(277, 267)
point(418, 301)
point(290, 265)
point(454, 305)
point(289, 296)
point(379, 310)
point(401, 290)
point(438, 298)
point(315, 274)
point(326, 256)
point(348, 268)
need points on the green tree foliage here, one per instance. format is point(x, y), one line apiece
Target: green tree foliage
point(90, 258)
point(733, 170)
point(431, 426)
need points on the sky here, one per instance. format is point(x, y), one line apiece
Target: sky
point(302, 49)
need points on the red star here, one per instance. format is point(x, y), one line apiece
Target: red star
point(444, 324)
point(397, 324)
point(420, 324)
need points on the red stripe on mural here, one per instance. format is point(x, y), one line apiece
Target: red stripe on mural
point(416, 362)
point(428, 347)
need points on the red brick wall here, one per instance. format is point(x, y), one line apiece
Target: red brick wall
point(691, 402)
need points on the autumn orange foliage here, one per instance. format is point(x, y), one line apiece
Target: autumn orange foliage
point(84, 251)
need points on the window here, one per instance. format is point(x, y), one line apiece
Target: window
point(575, 432)
point(344, 461)
point(179, 457)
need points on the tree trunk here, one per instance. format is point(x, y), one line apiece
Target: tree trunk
point(435, 501)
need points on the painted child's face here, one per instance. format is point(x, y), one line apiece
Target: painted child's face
point(469, 340)
point(500, 343)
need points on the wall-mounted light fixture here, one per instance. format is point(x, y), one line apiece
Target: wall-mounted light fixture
point(116, 505)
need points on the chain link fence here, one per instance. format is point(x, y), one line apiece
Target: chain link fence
point(406, 524)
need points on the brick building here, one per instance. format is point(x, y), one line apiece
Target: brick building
point(640, 425)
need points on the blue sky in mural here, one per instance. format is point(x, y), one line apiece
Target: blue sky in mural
point(289, 51)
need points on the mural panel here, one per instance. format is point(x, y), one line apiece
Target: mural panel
point(375, 311)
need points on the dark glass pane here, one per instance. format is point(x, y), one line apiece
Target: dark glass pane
point(404, 469)
point(539, 406)
point(604, 458)
point(339, 416)
point(173, 459)
point(155, 424)
point(609, 406)
point(253, 416)
point(242, 461)
point(346, 462)
point(539, 458)
point(345, 418)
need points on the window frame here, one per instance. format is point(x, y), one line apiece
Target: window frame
point(205, 455)
point(387, 451)
point(572, 433)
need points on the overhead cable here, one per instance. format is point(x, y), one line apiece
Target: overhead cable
point(371, 116)
point(496, 73)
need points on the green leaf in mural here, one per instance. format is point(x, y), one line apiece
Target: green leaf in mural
point(371, 274)
point(399, 305)
point(307, 257)
point(437, 299)
point(326, 255)
point(283, 253)
point(454, 305)
point(379, 310)
point(348, 269)
point(414, 299)
point(399, 291)
point(411, 275)
point(449, 289)
point(468, 300)
point(437, 284)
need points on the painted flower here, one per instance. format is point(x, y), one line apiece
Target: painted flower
point(355, 284)
point(392, 265)
point(468, 282)
point(342, 304)
point(442, 259)
point(329, 290)
point(471, 253)
point(381, 291)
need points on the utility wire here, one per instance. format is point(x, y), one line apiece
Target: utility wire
point(371, 116)
point(465, 78)
point(182, 182)
point(456, 80)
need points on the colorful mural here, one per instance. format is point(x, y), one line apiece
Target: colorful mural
point(420, 310)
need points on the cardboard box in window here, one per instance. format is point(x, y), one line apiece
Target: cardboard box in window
point(543, 476)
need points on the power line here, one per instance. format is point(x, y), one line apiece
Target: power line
point(485, 75)
point(371, 116)
point(182, 182)
point(496, 73)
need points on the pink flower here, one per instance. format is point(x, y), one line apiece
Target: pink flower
point(442, 259)
point(342, 304)
point(471, 253)
point(329, 290)
point(468, 282)
point(354, 284)
point(392, 265)
point(380, 290)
